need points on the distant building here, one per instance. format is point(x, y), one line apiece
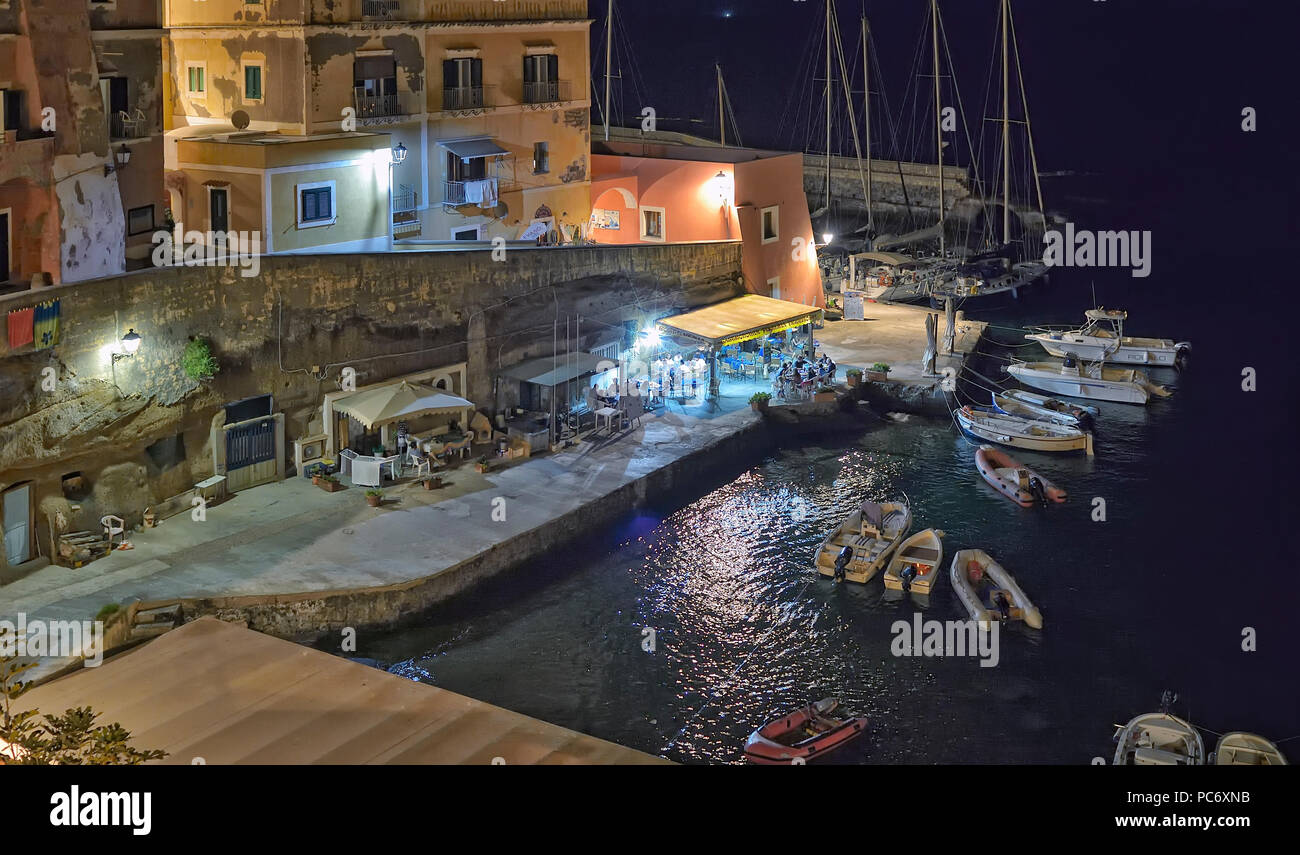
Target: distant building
point(653, 192)
point(484, 106)
point(80, 137)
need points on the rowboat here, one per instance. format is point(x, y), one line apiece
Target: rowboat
point(1082, 412)
point(1246, 749)
point(1159, 739)
point(1094, 381)
point(802, 735)
point(1009, 406)
point(915, 565)
point(1032, 434)
point(989, 592)
point(1102, 337)
point(1014, 480)
point(859, 548)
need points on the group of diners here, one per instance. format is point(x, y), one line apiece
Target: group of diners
point(799, 378)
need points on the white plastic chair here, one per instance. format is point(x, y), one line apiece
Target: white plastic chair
point(113, 525)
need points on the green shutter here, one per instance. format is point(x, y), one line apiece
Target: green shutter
point(253, 82)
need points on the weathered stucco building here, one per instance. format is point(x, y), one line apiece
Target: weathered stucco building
point(81, 156)
point(482, 103)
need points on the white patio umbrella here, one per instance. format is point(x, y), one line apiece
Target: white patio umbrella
point(402, 400)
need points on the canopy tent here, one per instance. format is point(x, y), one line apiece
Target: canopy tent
point(401, 400)
point(556, 370)
point(739, 319)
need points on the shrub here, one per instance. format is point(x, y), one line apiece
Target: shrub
point(759, 398)
point(853, 372)
point(107, 610)
point(379, 494)
point(198, 361)
point(882, 367)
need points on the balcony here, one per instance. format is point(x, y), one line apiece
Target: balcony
point(464, 98)
point(382, 10)
point(376, 106)
point(546, 91)
point(129, 125)
point(481, 191)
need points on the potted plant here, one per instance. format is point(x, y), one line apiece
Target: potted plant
point(374, 498)
point(824, 394)
point(150, 518)
point(758, 401)
point(432, 482)
point(482, 465)
point(854, 376)
point(878, 372)
point(328, 483)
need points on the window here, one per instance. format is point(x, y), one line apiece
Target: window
point(462, 84)
point(652, 224)
point(771, 224)
point(541, 78)
point(458, 169)
point(196, 73)
point(253, 81)
point(11, 110)
point(316, 204)
point(775, 285)
point(541, 158)
point(465, 233)
point(139, 220)
point(374, 85)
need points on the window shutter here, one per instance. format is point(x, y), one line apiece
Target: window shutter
point(552, 67)
point(476, 72)
point(528, 70)
point(449, 80)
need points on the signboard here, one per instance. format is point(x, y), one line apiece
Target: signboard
point(604, 219)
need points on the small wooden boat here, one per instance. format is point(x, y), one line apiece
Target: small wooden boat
point(1093, 380)
point(1246, 749)
point(1009, 406)
point(989, 592)
point(1082, 412)
point(859, 548)
point(802, 735)
point(915, 565)
point(1014, 480)
point(1159, 739)
point(1032, 434)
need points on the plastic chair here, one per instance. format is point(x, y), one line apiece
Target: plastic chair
point(113, 525)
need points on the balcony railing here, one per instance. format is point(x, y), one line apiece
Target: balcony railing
point(128, 125)
point(464, 98)
point(471, 192)
point(372, 106)
point(546, 91)
point(405, 199)
point(381, 10)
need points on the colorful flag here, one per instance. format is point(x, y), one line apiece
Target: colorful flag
point(46, 327)
point(20, 327)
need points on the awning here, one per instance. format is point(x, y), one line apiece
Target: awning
point(399, 401)
point(739, 319)
point(552, 371)
point(472, 148)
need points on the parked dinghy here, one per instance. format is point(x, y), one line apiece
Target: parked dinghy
point(1082, 412)
point(1014, 480)
point(860, 546)
point(915, 565)
point(1010, 406)
point(1159, 739)
point(1032, 434)
point(989, 592)
point(802, 735)
point(1246, 749)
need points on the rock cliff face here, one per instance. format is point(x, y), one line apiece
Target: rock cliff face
point(289, 332)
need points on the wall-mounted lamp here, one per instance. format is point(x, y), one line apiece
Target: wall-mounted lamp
point(722, 181)
point(130, 344)
point(827, 237)
point(122, 157)
point(399, 153)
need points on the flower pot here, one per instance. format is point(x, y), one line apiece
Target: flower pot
point(329, 486)
point(877, 376)
point(853, 379)
point(432, 483)
point(374, 501)
point(315, 479)
point(758, 406)
point(823, 397)
point(481, 468)
point(150, 520)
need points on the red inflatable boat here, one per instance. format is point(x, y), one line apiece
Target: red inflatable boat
point(1014, 480)
point(803, 735)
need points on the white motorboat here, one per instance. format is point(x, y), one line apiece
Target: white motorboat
point(1246, 749)
point(1018, 432)
point(1159, 739)
point(1093, 380)
point(1079, 411)
point(1010, 406)
point(858, 548)
point(1102, 337)
point(989, 592)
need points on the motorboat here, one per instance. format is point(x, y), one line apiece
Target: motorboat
point(989, 426)
point(915, 565)
point(1009, 406)
point(1102, 337)
point(1246, 749)
point(860, 546)
point(1159, 739)
point(803, 735)
point(1082, 412)
point(1014, 480)
point(1093, 380)
point(989, 593)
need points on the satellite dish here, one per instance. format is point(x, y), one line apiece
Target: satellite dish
point(239, 119)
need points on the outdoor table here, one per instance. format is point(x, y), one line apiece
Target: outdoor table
point(607, 413)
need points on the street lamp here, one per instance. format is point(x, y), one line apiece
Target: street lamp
point(122, 156)
point(827, 237)
point(130, 344)
point(399, 153)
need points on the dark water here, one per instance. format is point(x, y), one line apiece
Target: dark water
point(1157, 596)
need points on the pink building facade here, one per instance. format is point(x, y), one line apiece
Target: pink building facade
point(658, 193)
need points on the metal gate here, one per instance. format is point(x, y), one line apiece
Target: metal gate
point(250, 453)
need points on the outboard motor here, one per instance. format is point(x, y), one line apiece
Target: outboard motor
point(907, 574)
point(842, 562)
point(1036, 488)
point(1182, 352)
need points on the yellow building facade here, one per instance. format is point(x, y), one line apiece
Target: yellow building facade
point(484, 105)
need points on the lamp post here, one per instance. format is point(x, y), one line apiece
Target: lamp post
point(121, 158)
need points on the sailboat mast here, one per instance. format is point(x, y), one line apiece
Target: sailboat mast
point(722, 118)
point(609, 51)
point(938, 118)
point(1006, 132)
point(866, 112)
point(828, 104)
